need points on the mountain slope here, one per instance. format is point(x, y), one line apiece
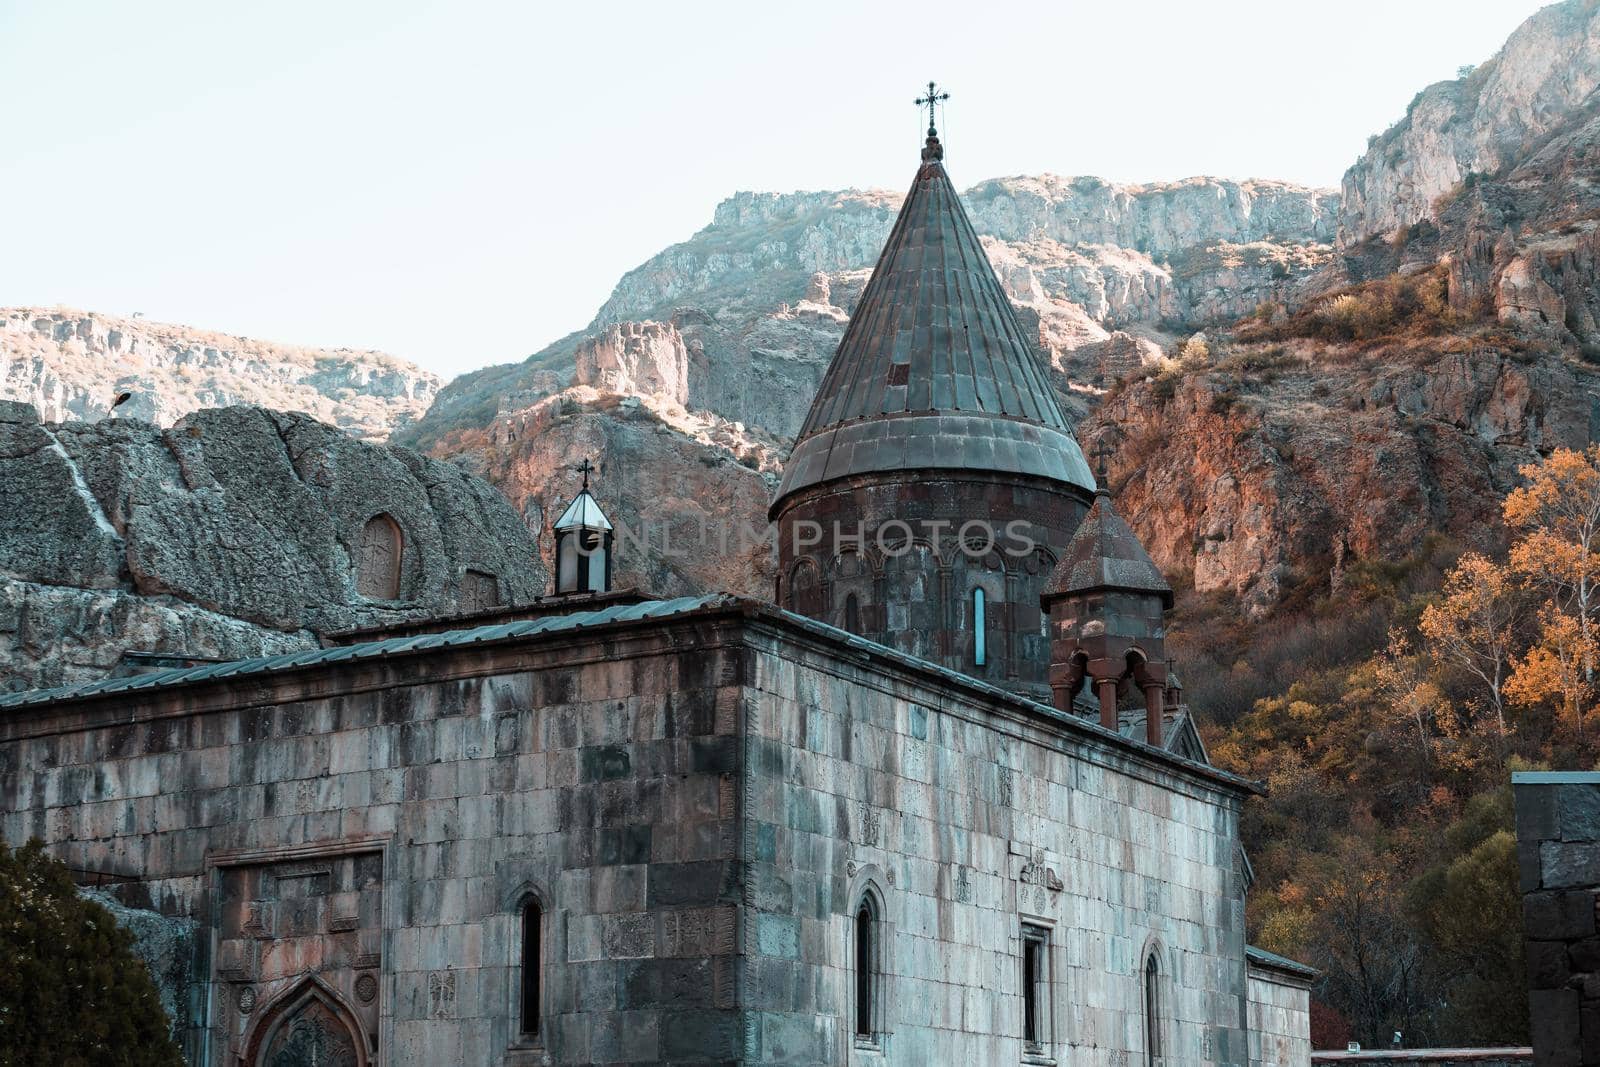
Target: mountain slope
point(759, 298)
point(73, 364)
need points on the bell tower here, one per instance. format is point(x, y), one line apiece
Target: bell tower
point(583, 545)
point(1107, 605)
point(935, 482)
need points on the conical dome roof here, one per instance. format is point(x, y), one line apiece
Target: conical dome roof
point(1105, 554)
point(933, 370)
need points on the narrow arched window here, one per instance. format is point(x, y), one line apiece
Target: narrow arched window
point(1152, 1011)
point(532, 968)
point(866, 965)
point(852, 613)
point(980, 642)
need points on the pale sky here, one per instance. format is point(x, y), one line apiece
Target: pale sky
point(462, 183)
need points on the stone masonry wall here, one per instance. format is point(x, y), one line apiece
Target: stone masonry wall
point(965, 821)
point(697, 801)
point(378, 827)
point(1558, 850)
point(1280, 1021)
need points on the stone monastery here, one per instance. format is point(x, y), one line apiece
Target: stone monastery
point(941, 803)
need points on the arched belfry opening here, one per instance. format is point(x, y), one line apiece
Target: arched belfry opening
point(583, 544)
point(935, 427)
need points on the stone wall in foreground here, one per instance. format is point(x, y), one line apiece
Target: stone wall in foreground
point(1280, 1017)
point(1558, 850)
point(966, 823)
point(697, 801)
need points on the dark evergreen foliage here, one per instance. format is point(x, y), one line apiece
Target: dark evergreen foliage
point(72, 992)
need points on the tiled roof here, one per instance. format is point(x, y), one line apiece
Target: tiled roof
point(1105, 553)
point(934, 370)
point(1262, 957)
point(368, 650)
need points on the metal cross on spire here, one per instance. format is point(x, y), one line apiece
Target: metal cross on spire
point(585, 468)
point(1102, 452)
point(933, 98)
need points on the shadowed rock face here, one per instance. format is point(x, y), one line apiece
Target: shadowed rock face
point(236, 532)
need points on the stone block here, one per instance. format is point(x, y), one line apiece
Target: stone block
point(1579, 810)
point(629, 936)
point(1553, 1023)
point(628, 845)
point(1584, 956)
point(1589, 1027)
point(1555, 915)
point(1547, 965)
point(605, 763)
point(1529, 872)
point(778, 935)
point(1538, 813)
point(1569, 864)
point(702, 1036)
point(699, 883)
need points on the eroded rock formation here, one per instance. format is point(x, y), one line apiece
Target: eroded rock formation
point(1481, 124)
point(71, 365)
point(236, 532)
point(761, 296)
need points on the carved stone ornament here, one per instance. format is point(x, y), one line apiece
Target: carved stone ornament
point(1034, 872)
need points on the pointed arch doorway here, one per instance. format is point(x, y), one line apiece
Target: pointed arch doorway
point(308, 1027)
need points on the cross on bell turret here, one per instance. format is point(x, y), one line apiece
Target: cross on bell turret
point(1102, 453)
point(583, 544)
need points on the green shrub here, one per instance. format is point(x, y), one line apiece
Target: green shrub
point(1391, 307)
point(72, 992)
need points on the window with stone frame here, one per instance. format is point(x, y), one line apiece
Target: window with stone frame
point(1037, 1017)
point(807, 593)
point(530, 987)
point(867, 986)
point(980, 628)
point(378, 559)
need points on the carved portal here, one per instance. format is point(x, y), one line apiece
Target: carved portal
point(314, 1036)
point(308, 1027)
point(298, 955)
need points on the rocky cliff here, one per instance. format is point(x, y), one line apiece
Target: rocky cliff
point(1279, 465)
point(235, 532)
point(1339, 405)
point(759, 299)
point(1479, 125)
point(71, 365)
